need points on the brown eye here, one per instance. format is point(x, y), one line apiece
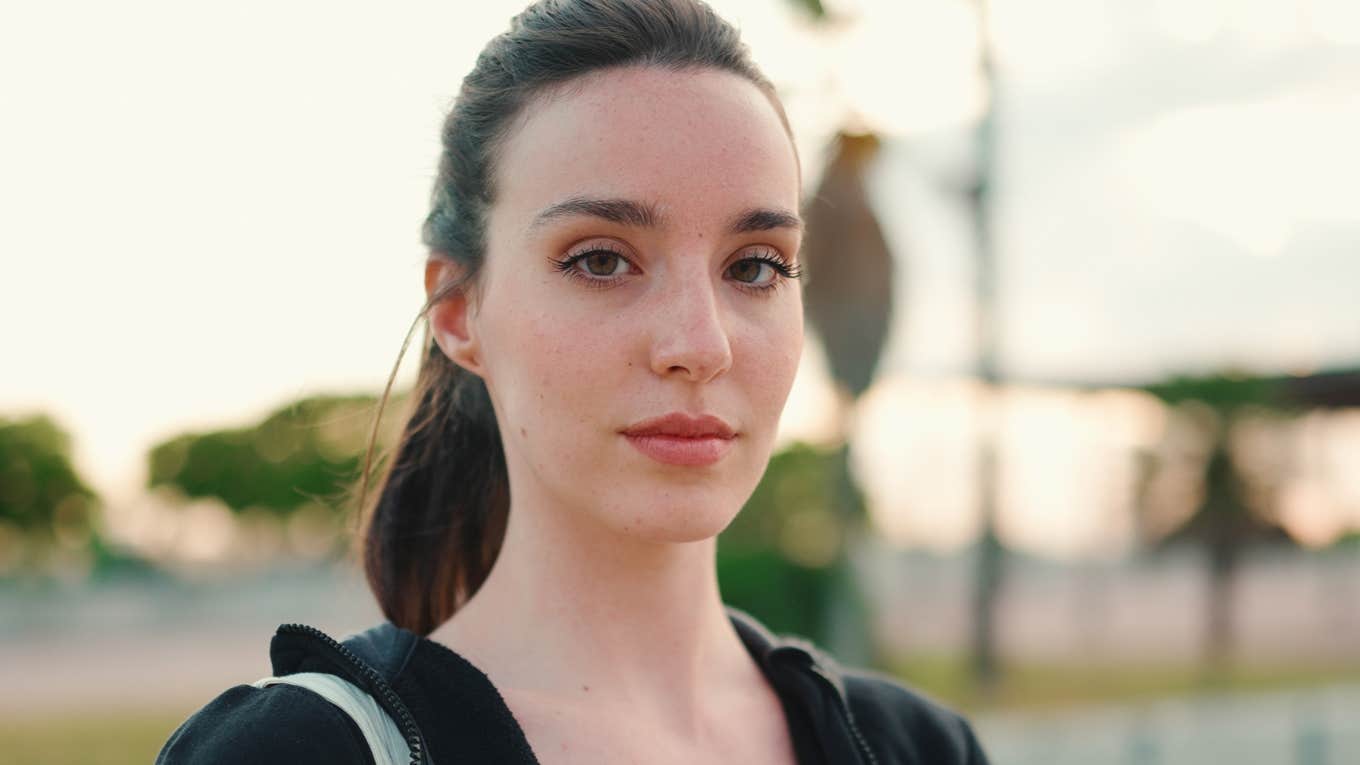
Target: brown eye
point(601, 262)
point(746, 270)
point(596, 266)
point(762, 271)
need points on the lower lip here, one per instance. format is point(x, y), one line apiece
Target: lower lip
point(678, 450)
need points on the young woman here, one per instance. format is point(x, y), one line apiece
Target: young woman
point(614, 324)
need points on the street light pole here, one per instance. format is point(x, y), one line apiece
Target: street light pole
point(990, 555)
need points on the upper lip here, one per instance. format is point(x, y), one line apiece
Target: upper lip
point(683, 425)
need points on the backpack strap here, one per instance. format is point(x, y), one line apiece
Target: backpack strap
point(384, 739)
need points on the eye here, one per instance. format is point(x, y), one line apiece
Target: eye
point(602, 262)
point(596, 265)
point(749, 271)
point(762, 270)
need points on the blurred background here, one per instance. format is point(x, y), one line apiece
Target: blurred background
point(1075, 446)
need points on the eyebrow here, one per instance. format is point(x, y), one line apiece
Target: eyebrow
point(622, 211)
point(627, 212)
point(765, 220)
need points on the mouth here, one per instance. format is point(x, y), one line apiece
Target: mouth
point(681, 439)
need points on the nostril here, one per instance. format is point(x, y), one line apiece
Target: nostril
point(689, 337)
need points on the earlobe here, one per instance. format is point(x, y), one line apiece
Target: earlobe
point(451, 318)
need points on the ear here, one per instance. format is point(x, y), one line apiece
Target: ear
point(451, 319)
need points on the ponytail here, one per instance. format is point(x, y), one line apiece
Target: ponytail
point(437, 525)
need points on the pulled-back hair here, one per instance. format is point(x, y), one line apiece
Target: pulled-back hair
point(436, 525)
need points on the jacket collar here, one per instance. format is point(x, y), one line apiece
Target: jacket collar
point(384, 647)
point(815, 678)
point(387, 648)
point(377, 656)
point(773, 649)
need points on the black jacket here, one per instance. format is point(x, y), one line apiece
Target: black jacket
point(451, 714)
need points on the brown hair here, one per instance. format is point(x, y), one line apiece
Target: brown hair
point(436, 525)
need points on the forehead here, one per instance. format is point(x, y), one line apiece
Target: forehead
point(697, 144)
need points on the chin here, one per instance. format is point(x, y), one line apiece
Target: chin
point(673, 515)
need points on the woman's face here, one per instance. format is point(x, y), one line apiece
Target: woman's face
point(636, 248)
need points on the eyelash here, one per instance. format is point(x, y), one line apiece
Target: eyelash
point(567, 266)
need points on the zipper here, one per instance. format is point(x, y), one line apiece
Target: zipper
point(829, 686)
point(860, 743)
point(377, 685)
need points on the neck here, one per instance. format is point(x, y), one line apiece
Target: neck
point(576, 610)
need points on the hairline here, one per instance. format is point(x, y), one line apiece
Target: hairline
point(541, 96)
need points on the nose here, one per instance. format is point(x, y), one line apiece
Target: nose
point(689, 338)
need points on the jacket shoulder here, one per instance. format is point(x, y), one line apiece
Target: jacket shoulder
point(903, 725)
point(275, 724)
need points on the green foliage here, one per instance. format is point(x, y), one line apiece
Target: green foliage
point(307, 451)
point(1348, 541)
point(813, 8)
point(776, 559)
point(1226, 393)
point(41, 496)
point(799, 484)
point(785, 596)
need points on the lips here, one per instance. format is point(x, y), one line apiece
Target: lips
point(681, 439)
point(680, 425)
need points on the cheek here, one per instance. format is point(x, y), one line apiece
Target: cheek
point(772, 350)
point(784, 342)
point(556, 374)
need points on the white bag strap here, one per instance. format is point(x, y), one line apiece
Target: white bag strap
point(384, 739)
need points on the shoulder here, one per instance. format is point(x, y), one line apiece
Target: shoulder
point(277, 724)
point(907, 726)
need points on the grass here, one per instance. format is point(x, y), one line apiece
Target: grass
point(1036, 685)
point(114, 738)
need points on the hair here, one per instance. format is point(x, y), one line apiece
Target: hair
point(435, 526)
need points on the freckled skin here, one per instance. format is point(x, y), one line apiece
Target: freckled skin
point(607, 571)
point(676, 333)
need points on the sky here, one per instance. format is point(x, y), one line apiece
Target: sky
point(210, 210)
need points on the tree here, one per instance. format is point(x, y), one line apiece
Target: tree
point(776, 558)
point(307, 454)
point(44, 503)
point(1235, 509)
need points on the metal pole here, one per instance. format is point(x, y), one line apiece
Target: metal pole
point(989, 554)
